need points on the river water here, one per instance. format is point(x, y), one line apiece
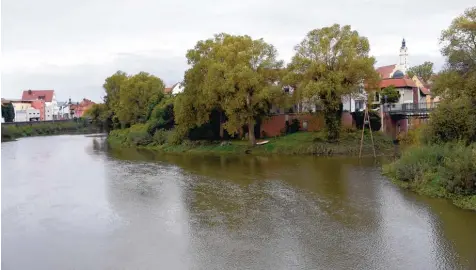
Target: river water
point(69, 203)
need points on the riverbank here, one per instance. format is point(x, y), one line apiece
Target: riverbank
point(300, 143)
point(12, 132)
point(443, 171)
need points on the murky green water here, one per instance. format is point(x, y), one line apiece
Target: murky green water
point(69, 204)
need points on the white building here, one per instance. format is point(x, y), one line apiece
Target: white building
point(51, 105)
point(29, 114)
point(64, 111)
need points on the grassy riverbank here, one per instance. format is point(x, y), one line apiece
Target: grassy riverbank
point(300, 143)
point(12, 131)
point(444, 170)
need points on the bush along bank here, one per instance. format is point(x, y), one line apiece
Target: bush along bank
point(81, 126)
point(438, 170)
point(297, 143)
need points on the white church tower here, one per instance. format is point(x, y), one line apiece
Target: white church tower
point(403, 64)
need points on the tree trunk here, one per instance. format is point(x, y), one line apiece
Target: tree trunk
point(221, 125)
point(251, 132)
point(251, 122)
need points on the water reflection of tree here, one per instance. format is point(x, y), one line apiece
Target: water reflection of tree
point(328, 179)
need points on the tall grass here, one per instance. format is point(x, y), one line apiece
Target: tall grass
point(11, 132)
point(299, 143)
point(438, 169)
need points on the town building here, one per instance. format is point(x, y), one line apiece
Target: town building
point(78, 109)
point(50, 104)
point(26, 110)
point(174, 89)
point(64, 110)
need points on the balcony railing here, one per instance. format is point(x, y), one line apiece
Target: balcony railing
point(408, 108)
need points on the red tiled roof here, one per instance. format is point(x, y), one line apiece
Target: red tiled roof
point(385, 71)
point(46, 95)
point(168, 90)
point(398, 83)
point(425, 91)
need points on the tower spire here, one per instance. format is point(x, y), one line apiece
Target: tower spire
point(404, 56)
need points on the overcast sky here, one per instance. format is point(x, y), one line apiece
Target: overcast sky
point(72, 46)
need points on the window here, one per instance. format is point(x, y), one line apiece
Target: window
point(359, 104)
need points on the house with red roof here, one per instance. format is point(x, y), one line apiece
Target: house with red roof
point(48, 97)
point(174, 89)
point(79, 108)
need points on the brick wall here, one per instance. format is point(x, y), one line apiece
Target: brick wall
point(273, 125)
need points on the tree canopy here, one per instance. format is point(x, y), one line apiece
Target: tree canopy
point(455, 118)
point(329, 63)
point(8, 112)
point(131, 99)
point(458, 78)
point(237, 75)
point(424, 71)
point(392, 94)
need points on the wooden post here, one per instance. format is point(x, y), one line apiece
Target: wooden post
point(366, 120)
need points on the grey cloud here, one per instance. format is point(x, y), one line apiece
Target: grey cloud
point(85, 81)
point(76, 27)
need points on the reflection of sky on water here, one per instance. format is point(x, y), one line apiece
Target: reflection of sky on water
point(142, 210)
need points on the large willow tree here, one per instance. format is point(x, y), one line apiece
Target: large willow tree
point(330, 63)
point(236, 75)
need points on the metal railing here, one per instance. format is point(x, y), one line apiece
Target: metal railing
point(408, 108)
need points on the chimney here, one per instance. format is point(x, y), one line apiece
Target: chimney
point(29, 92)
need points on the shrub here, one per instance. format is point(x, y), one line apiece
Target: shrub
point(451, 166)
point(160, 137)
point(175, 137)
point(453, 120)
point(413, 136)
point(138, 135)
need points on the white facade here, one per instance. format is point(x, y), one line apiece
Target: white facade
point(51, 109)
point(63, 111)
point(27, 115)
point(177, 88)
point(406, 95)
point(403, 63)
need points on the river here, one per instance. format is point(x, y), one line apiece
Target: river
point(69, 203)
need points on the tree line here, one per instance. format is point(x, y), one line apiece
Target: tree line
point(240, 79)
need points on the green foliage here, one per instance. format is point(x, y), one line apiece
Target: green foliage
point(162, 116)
point(451, 166)
point(414, 137)
point(453, 120)
point(393, 95)
point(458, 79)
point(161, 136)
point(299, 143)
point(137, 94)
point(375, 121)
point(131, 99)
point(8, 112)
point(330, 63)
point(175, 137)
point(455, 117)
point(424, 71)
point(13, 131)
point(136, 135)
point(233, 74)
point(293, 127)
